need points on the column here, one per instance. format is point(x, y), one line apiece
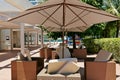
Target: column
point(11, 35)
point(22, 38)
point(42, 38)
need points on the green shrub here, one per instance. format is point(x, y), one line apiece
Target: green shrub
point(110, 44)
point(91, 45)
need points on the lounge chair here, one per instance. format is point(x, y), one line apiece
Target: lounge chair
point(101, 68)
point(53, 74)
point(79, 53)
point(43, 75)
point(26, 68)
point(46, 53)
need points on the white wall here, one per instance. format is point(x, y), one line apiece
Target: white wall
point(5, 39)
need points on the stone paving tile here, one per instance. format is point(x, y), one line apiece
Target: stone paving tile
point(5, 62)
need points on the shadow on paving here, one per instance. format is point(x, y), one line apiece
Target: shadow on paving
point(8, 54)
point(33, 48)
point(6, 66)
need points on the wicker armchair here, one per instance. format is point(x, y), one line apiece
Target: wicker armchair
point(79, 53)
point(101, 68)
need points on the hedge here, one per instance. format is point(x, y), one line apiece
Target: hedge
point(110, 44)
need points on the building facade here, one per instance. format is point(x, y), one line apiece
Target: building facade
point(10, 36)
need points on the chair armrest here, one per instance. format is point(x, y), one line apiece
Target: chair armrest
point(100, 70)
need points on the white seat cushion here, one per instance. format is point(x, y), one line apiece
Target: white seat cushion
point(42, 75)
point(56, 64)
point(103, 56)
point(69, 68)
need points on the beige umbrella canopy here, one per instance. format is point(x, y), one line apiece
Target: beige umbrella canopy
point(5, 24)
point(72, 29)
point(9, 25)
point(64, 15)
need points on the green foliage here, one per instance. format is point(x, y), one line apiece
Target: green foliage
point(113, 7)
point(54, 35)
point(95, 31)
point(42, 28)
point(110, 44)
point(91, 45)
point(110, 30)
point(96, 3)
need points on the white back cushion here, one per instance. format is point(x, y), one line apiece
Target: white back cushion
point(63, 59)
point(69, 68)
point(56, 64)
point(103, 56)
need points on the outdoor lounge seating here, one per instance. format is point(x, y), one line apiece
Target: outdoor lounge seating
point(40, 63)
point(46, 53)
point(23, 70)
point(43, 75)
point(54, 72)
point(100, 71)
point(79, 53)
point(101, 68)
point(26, 70)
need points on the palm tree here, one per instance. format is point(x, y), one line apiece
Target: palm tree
point(113, 6)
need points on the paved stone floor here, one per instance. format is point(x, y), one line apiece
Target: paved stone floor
point(7, 56)
point(5, 61)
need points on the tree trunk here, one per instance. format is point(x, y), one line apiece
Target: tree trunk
point(118, 28)
point(74, 44)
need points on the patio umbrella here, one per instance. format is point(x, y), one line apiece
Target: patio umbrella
point(63, 15)
point(5, 24)
point(72, 29)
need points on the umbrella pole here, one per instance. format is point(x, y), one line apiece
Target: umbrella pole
point(63, 28)
point(63, 44)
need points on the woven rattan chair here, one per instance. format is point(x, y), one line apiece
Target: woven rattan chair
point(101, 68)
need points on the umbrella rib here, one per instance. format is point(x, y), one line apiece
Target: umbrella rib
point(50, 28)
point(51, 14)
point(50, 19)
point(80, 7)
point(79, 29)
point(77, 15)
point(77, 19)
point(53, 18)
point(73, 20)
point(33, 12)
